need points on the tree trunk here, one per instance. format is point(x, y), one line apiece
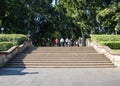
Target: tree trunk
point(83, 37)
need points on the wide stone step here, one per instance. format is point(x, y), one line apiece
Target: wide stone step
point(63, 58)
point(62, 55)
point(61, 66)
point(60, 59)
point(62, 49)
point(57, 61)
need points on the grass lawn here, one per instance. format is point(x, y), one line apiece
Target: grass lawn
point(116, 50)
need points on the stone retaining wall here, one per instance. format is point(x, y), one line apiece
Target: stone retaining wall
point(113, 56)
point(5, 56)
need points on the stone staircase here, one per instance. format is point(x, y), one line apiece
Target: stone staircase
point(60, 57)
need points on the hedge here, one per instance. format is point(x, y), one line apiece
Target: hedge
point(99, 38)
point(9, 40)
point(112, 41)
point(16, 38)
point(5, 45)
point(111, 44)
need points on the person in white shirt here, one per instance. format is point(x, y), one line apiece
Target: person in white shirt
point(69, 43)
point(66, 42)
point(62, 42)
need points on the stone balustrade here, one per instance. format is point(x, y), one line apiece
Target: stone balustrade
point(5, 56)
point(113, 56)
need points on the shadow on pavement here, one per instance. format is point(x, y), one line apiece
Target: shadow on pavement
point(14, 71)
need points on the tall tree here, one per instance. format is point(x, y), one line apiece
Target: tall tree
point(83, 13)
point(17, 16)
point(110, 16)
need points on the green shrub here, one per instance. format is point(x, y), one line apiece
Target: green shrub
point(111, 44)
point(99, 38)
point(5, 45)
point(16, 38)
point(9, 40)
point(20, 40)
point(112, 41)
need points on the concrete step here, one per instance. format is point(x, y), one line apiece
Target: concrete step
point(61, 49)
point(60, 59)
point(67, 58)
point(61, 66)
point(62, 55)
point(57, 61)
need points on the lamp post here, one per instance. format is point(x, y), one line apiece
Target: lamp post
point(2, 29)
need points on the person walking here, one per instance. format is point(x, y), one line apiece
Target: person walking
point(79, 41)
point(57, 42)
point(69, 43)
point(61, 42)
point(66, 42)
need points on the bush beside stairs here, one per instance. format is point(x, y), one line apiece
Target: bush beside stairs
point(60, 57)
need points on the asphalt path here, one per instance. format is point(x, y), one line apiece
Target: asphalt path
point(60, 77)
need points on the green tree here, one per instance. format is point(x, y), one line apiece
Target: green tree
point(110, 16)
point(83, 14)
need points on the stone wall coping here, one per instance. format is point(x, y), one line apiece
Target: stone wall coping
point(9, 50)
point(109, 50)
point(23, 44)
point(113, 56)
point(5, 56)
point(12, 49)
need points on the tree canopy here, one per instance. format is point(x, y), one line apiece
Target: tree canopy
point(110, 16)
point(67, 18)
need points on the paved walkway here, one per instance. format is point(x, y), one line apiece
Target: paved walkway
point(59, 77)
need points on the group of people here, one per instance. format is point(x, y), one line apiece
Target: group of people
point(68, 42)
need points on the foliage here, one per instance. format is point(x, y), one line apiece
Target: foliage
point(99, 38)
point(19, 16)
point(68, 18)
point(5, 45)
point(111, 44)
point(110, 16)
point(83, 14)
point(112, 41)
point(116, 50)
point(17, 39)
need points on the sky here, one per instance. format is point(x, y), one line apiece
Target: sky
point(53, 3)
